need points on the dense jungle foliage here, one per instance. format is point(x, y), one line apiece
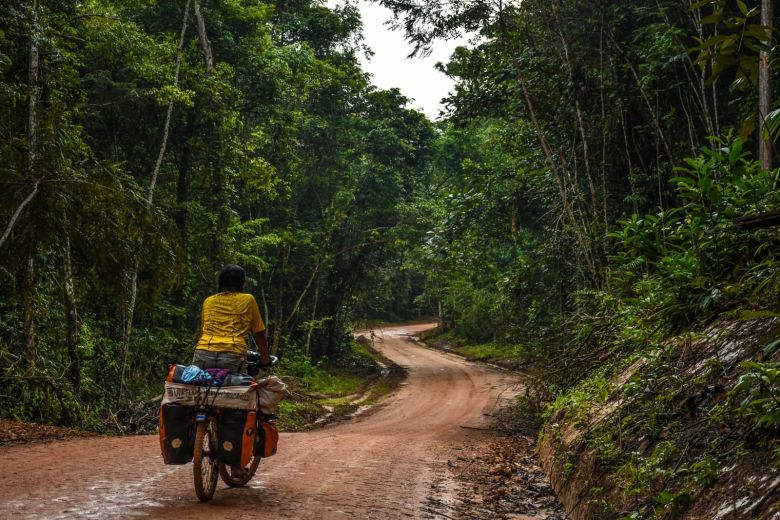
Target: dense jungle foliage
point(574, 203)
point(145, 145)
point(608, 219)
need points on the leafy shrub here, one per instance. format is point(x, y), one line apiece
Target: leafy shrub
point(761, 386)
point(688, 260)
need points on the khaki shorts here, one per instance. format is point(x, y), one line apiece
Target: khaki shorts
point(219, 359)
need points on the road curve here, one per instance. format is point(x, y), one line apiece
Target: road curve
point(389, 463)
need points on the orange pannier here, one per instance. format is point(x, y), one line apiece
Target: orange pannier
point(236, 432)
point(248, 441)
point(266, 440)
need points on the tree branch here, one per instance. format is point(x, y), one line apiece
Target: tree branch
point(18, 212)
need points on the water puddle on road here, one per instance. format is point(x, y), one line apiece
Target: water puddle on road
point(97, 499)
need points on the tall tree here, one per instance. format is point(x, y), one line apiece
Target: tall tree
point(765, 86)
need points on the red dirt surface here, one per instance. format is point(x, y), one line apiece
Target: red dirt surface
point(389, 463)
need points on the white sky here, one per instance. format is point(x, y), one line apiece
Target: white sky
point(417, 78)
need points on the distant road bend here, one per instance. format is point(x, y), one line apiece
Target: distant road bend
point(389, 463)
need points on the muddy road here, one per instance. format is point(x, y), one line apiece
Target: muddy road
point(391, 462)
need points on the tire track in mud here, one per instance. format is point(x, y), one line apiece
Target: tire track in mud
point(388, 463)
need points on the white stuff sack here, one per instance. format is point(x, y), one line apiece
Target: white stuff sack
point(237, 397)
point(269, 392)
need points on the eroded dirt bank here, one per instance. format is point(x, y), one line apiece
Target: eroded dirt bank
point(665, 436)
point(394, 462)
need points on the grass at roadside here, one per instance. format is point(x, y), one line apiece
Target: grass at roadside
point(330, 387)
point(491, 352)
point(506, 355)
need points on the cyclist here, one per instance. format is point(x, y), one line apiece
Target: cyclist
point(227, 318)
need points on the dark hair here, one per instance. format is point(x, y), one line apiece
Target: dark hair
point(231, 278)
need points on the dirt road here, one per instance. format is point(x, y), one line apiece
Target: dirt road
point(389, 463)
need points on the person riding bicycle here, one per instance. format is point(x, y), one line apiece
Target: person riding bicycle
point(227, 318)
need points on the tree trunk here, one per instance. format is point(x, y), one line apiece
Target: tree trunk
point(313, 317)
point(127, 324)
point(277, 338)
point(204, 39)
point(265, 309)
point(35, 92)
point(30, 353)
point(689, 123)
point(578, 110)
point(634, 204)
point(604, 125)
point(185, 168)
point(656, 123)
point(71, 316)
point(698, 88)
point(133, 275)
point(167, 126)
point(765, 89)
point(181, 325)
point(548, 152)
point(298, 302)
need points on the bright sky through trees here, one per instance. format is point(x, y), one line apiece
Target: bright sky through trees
point(417, 78)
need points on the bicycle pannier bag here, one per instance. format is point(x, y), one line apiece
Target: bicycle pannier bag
point(267, 439)
point(177, 435)
point(250, 433)
point(236, 435)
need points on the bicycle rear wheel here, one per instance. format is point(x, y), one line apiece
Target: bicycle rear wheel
point(226, 473)
point(205, 460)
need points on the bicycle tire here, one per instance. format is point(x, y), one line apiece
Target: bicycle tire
point(227, 477)
point(205, 466)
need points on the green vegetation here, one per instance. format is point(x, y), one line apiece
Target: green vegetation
point(598, 156)
point(328, 386)
point(579, 210)
point(760, 386)
point(140, 154)
point(491, 351)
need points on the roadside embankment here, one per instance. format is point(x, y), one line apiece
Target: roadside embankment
point(689, 430)
point(322, 393)
point(16, 432)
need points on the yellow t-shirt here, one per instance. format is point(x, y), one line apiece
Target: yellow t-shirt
point(227, 318)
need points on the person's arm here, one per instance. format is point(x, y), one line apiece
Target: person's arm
point(202, 321)
point(262, 343)
point(258, 333)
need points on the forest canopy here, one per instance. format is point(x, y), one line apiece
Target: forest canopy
point(145, 145)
